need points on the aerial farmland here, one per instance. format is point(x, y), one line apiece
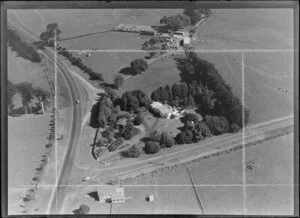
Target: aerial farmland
point(153, 111)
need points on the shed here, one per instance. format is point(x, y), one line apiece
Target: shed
point(150, 198)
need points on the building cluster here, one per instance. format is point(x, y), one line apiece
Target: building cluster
point(173, 39)
point(116, 195)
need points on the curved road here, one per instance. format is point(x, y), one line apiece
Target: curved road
point(77, 117)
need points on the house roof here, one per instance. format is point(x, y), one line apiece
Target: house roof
point(122, 121)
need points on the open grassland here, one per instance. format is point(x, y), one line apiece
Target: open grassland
point(247, 29)
point(107, 41)
point(274, 160)
point(27, 137)
point(161, 72)
point(74, 22)
point(270, 200)
point(219, 180)
point(167, 200)
point(22, 70)
point(266, 76)
point(222, 199)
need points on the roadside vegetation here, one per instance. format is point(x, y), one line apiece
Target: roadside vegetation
point(23, 48)
point(48, 38)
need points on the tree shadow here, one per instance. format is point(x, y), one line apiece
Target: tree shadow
point(181, 128)
point(160, 28)
point(145, 139)
point(108, 85)
point(127, 71)
point(185, 73)
point(22, 48)
point(94, 195)
point(94, 116)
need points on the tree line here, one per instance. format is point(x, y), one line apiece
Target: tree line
point(23, 48)
point(190, 16)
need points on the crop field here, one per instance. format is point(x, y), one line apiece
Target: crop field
point(247, 29)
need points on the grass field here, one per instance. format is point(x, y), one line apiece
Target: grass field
point(74, 22)
point(247, 29)
point(265, 73)
point(22, 70)
point(27, 137)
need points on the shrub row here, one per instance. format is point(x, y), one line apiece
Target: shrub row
point(77, 62)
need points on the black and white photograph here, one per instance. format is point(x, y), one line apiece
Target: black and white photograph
point(151, 108)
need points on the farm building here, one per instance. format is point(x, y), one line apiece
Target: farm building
point(111, 194)
point(134, 28)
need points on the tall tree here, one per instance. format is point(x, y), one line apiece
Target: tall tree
point(119, 81)
point(26, 90)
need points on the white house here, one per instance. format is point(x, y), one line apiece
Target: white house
point(166, 110)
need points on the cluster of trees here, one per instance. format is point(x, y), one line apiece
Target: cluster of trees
point(83, 209)
point(107, 112)
point(138, 66)
point(196, 14)
point(132, 152)
point(216, 97)
point(188, 17)
point(194, 130)
point(24, 49)
point(176, 22)
point(133, 100)
point(217, 124)
point(78, 62)
point(128, 131)
point(48, 36)
point(28, 92)
point(119, 81)
point(180, 94)
point(150, 44)
point(158, 141)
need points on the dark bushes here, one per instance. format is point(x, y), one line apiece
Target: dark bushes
point(151, 147)
point(23, 48)
point(132, 152)
point(217, 125)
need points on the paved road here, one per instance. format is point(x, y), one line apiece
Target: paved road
point(77, 116)
point(212, 145)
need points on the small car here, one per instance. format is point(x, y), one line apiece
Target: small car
point(86, 178)
point(77, 101)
